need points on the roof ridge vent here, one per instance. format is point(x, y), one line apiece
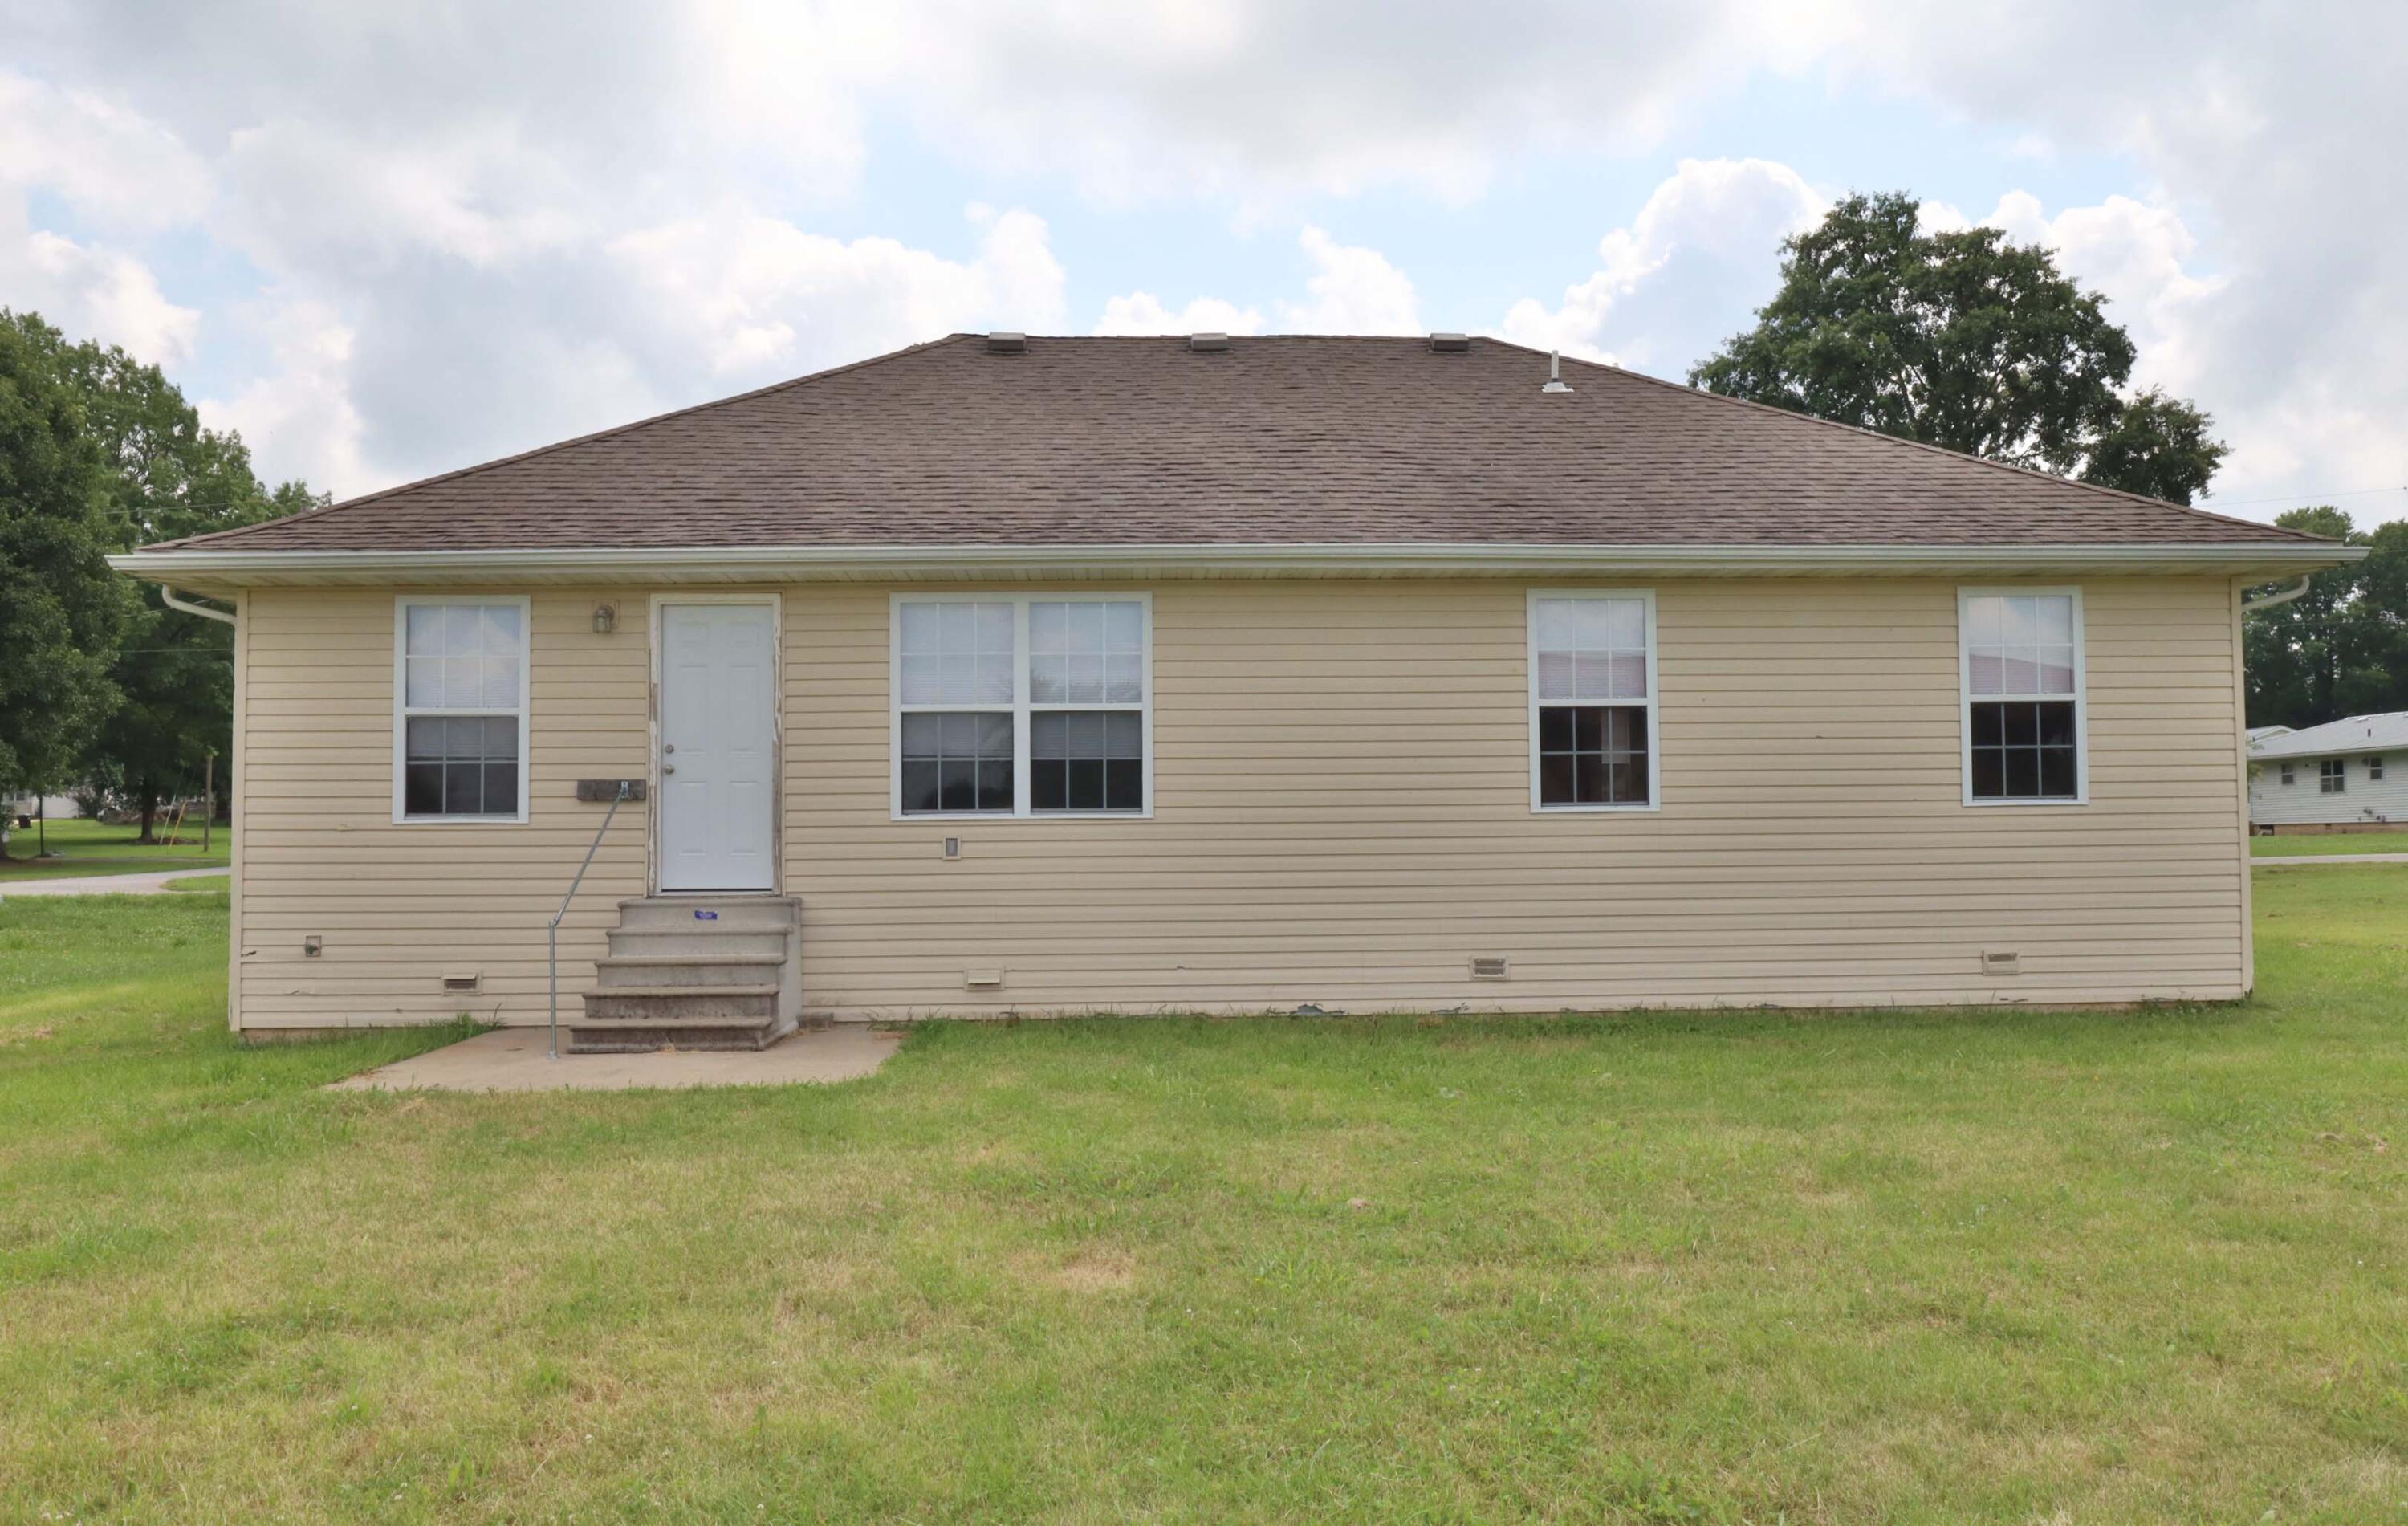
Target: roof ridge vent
point(1555, 382)
point(1450, 344)
point(1004, 342)
point(1208, 341)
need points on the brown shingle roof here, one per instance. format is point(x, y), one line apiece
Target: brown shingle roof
point(1274, 440)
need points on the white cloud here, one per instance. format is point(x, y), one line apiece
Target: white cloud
point(1352, 291)
point(110, 163)
point(1682, 273)
point(1142, 312)
point(762, 294)
point(304, 405)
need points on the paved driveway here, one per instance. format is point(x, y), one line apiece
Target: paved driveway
point(101, 885)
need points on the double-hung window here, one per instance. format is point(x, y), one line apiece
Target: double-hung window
point(460, 709)
point(1592, 701)
point(2025, 725)
point(2332, 776)
point(2286, 773)
point(2374, 769)
point(1022, 706)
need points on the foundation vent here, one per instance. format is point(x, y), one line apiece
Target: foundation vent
point(1488, 967)
point(982, 980)
point(461, 980)
point(2002, 962)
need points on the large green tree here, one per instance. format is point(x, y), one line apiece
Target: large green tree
point(60, 608)
point(2341, 647)
point(1962, 340)
point(163, 476)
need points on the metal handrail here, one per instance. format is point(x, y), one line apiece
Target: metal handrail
point(551, 933)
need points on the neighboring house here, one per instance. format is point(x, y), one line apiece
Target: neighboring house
point(56, 807)
point(2259, 733)
point(1083, 675)
point(2343, 774)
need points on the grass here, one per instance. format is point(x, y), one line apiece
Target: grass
point(2302, 844)
point(2015, 1267)
point(91, 847)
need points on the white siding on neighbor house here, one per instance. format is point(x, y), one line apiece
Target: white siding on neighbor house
point(1341, 817)
point(2303, 801)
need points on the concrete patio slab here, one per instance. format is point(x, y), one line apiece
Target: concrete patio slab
point(513, 1060)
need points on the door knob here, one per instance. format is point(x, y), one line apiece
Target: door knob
point(668, 767)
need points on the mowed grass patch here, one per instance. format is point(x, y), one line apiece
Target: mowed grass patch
point(2316, 844)
point(1744, 1267)
point(87, 847)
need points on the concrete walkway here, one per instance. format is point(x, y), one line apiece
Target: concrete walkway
point(513, 1060)
point(2331, 859)
point(101, 885)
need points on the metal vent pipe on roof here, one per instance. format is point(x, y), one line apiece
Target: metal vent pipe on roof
point(1555, 382)
point(1208, 341)
point(1005, 342)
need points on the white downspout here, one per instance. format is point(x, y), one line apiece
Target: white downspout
point(169, 597)
point(2283, 596)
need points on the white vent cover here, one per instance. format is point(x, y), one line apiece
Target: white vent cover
point(982, 980)
point(2002, 962)
point(460, 980)
point(1488, 967)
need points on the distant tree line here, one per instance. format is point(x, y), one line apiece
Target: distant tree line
point(1969, 341)
point(103, 687)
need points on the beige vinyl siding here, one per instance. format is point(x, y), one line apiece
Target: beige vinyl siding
point(398, 905)
point(1343, 817)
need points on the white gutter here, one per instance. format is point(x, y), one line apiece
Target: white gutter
point(2281, 597)
point(169, 597)
point(197, 565)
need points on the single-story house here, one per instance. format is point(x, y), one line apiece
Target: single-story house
point(2345, 775)
point(1007, 674)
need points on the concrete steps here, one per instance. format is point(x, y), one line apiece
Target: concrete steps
point(695, 973)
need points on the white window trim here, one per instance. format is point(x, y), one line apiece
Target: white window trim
point(2332, 776)
point(1655, 800)
point(2283, 772)
point(402, 711)
point(1019, 709)
point(2374, 769)
point(1966, 697)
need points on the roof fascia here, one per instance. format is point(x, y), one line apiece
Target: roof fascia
point(704, 564)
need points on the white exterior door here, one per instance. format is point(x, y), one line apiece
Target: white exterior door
point(718, 763)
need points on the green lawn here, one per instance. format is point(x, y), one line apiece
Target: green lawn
point(91, 847)
point(2013, 1267)
point(2303, 844)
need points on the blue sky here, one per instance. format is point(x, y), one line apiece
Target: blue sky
point(384, 243)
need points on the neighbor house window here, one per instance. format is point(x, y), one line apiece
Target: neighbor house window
point(1022, 706)
point(2287, 776)
point(1592, 701)
point(460, 709)
point(2374, 771)
point(2024, 721)
point(2332, 776)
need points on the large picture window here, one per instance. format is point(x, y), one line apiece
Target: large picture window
point(1022, 706)
point(1592, 701)
point(2025, 733)
point(460, 710)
